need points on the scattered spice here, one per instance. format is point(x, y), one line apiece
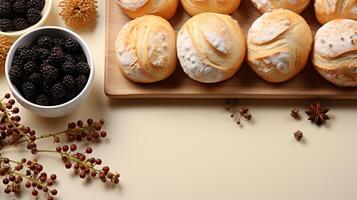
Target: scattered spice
point(317, 114)
point(295, 113)
point(79, 13)
point(298, 135)
point(238, 113)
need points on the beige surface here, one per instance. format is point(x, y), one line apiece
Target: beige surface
point(191, 150)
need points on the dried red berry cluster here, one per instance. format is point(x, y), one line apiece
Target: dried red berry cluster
point(91, 131)
point(11, 131)
point(29, 172)
point(85, 166)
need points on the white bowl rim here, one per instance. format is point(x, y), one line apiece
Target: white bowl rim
point(45, 12)
point(90, 62)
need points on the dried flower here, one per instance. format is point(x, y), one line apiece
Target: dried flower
point(295, 113)
point(298, 135)
point(29, 172)
point(236, 112)
point(78, 13)
point(317, 114)
point(5, 45)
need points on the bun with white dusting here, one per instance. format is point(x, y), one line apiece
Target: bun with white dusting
point(335, 52)
point(146, 49)
point(296, 6)
point(327, 10)
point(194, 7)
point(279, 43)
point(138, 8)
point(211, 47)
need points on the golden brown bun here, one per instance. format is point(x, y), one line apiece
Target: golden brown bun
point(296, 6)
point(138, 8)
point(211, 47)
point(335, 52)
point(146, 49)
point(194, 7)
point(279, 43)
point(327, 10)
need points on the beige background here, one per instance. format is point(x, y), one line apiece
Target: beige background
point(191, 149)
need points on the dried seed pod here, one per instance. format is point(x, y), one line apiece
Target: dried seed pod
point(78, 13)
point(298, 135)
point(5, 45)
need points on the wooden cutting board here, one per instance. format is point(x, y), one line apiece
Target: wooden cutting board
point(245, 84)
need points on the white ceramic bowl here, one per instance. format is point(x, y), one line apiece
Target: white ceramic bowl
point(57, 110)
point(45, 12)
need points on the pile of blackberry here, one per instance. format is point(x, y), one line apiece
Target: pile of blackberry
point(50, 71)
point(16, 15)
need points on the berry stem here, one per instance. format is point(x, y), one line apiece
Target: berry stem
point(44, 136)
point(72, 158)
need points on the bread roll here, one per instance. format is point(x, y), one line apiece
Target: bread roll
point(194, 7)
point(327, 10)
point(335, 52)
point(211, 47)
point(138, 8)
point(146, 49)
point(279, 43)
point(296, 6)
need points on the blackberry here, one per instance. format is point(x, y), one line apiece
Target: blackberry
point(33, 15)
point(36, 79)
point(30, 67)
point(83, 68)
point(55, 101)
point(71, 45)
point(29, 90)
point(20, 23)
point(81, 58)
point(46, 88)
point(26, 53)
point(43, 54)
point(69, 58)
point(68, 82)
point(19, 7)
point(44, 42)
point(16, 74)
point(57, 55)
point(5, 9)
point(58, 91)
point(69, 68)
point(59, 42)
point(6, 25)
point(17, 61)
point(37, 4)
point(49, 73)
point(42, 100)
point(81, 82)
point(71, 94)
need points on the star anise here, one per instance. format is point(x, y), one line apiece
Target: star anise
point(317, 114)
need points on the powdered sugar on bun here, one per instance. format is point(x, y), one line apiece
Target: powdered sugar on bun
point(279, 43)
point(132, 5)
point(146, 49)
point(210, 47)
point(265, 6)
point(327, 10)
point(267, 29)
point(337, 37)
point(335, 52)
point(192, 63)
point(278, 62)
point(218, 39)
